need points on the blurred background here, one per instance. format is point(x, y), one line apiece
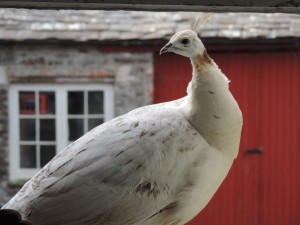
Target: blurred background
point(64, 72)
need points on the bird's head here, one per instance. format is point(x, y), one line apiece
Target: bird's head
point(185, 43)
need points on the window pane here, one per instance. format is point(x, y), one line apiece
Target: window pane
point(27, 156)
point(47, 102)
point(47, 152)
point(94, 122)
point(75, 102)
point(27, 102)
point(47, 129)
point(75, 129)
point(27, 129)
point(95, 102)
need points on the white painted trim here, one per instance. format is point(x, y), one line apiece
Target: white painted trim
point(89, 116)
point(61, 116)
point(24, 116)
point(61, 121)
point(13, 138)
point(109, 100)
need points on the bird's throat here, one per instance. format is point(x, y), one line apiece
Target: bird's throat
point(201, 61)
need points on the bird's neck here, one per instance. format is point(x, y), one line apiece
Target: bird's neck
point(211, 109)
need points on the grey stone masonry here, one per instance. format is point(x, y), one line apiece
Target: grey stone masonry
point(97, 25)
point(131, 73)
point(3, 133)
point(4, 195)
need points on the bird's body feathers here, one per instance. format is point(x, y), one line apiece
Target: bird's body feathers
point(157, 165)
point(122, 172)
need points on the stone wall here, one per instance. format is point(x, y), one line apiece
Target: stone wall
point(4, 193)
point(131, 73)
point(3, 133)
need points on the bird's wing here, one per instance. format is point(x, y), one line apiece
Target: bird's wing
point(122, 172)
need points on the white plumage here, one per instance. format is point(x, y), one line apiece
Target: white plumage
point(159, 164)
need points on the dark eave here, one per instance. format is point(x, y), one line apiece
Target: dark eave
point(286, 6)
point(213, 44)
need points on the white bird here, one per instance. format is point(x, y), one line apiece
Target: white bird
point(156, 165)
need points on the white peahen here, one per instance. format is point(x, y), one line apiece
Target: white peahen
point(158, 165)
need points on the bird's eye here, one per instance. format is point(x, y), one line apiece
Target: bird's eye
point(185, 41)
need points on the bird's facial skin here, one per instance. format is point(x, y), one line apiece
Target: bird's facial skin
point(185, 43)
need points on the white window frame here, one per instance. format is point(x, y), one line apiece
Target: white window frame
point(61, 118)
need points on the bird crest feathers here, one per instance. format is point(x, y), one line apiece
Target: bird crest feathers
point(199, 20)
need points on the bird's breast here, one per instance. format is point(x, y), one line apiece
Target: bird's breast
point(204, 178)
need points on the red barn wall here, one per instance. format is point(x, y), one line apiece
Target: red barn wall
point(261, 189)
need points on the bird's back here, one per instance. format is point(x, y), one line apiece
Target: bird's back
point(122, 172)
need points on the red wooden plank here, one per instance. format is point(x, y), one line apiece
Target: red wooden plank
point(260, 189)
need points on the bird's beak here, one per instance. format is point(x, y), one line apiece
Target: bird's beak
point(166, 48)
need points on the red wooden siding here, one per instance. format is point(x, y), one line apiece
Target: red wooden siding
point(260, 189)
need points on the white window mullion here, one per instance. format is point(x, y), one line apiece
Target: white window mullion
point(14, 134)
point(40, 116)
point(62, 131)
point(109, 100)
point(76, 116)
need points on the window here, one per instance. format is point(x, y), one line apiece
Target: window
point(85, 111)
point(45, 118)
point(37, 140)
